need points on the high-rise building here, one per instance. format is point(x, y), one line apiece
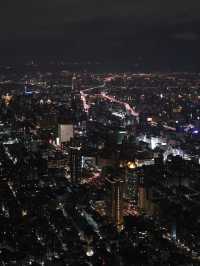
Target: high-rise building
point(74, 83)
point(75, 163)
point(142, 198)
point(146, 200)
point(65, 132)
point(115, 201)
point(142, 194)
point(131, 182)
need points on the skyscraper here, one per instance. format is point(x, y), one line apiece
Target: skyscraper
point(142, 195)
point(146, 198)
point(131, 182)
point(115, 189)
point(142, 198)
point(75, 162)
point(74, 83)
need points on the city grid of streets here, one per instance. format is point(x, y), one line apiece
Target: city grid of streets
point(142, 128)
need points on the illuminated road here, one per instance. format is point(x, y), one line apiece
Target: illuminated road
point(128, 108)
point(126, 105)
point(106, 97)
point(84, 95)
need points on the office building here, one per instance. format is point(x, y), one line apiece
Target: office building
point(114, 201)
point(75, 163)
point(65, 132)
point(74, 83)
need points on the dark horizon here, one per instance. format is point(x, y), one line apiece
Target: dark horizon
point(144, 32)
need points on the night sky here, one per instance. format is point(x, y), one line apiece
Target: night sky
point(104, 29)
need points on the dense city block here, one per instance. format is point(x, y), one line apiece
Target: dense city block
point(99, 168)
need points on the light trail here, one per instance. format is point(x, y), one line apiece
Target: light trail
point(126, 105)
point(107, 97)
point(84, 95)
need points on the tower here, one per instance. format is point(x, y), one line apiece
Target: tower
point(115, 189)
point(142, 194)
point(131, 182)
point(75, 163)
point(142, 198)
point(74, 83)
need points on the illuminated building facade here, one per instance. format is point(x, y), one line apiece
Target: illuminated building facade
point(7, 99)
point(115, 189)
point(142, 198)
point(65, 132)
point(142, 195)
point(75, 163)
point(132, 185)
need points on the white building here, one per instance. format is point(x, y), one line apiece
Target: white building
point(65, 132)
